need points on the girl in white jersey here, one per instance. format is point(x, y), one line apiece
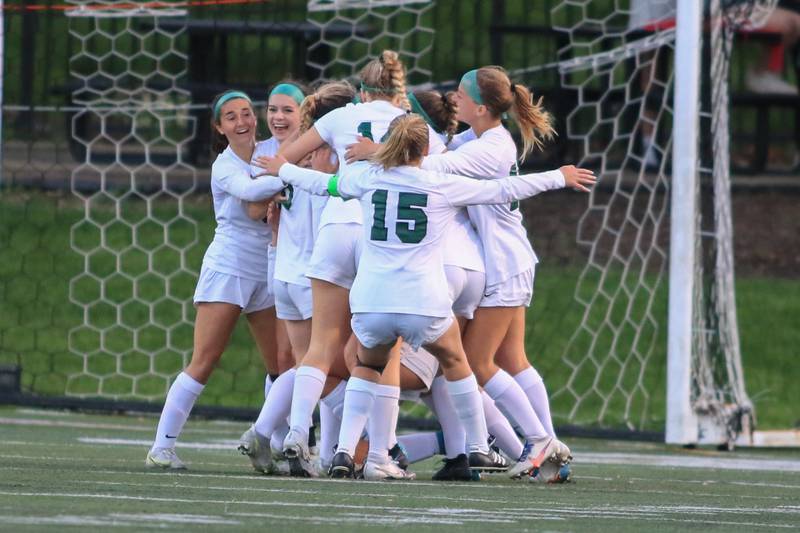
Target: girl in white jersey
point(410, 211)
point(299, 217)
point(497, 332)
point(233, 278)
point(338, 246)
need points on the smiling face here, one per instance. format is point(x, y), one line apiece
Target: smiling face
point(468, 109)
point(283, 116)
point(237, 122)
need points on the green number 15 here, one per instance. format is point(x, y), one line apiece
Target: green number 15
point(409, 210)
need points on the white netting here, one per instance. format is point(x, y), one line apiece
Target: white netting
point(619, 60)
point(371, 27)
point(134, 236)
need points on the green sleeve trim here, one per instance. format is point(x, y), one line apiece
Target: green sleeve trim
point(333, 185)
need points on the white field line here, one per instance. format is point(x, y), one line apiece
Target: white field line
point(174, 485)
point(217, 444)
point(103, 425)
point(686, 514)
point(119, 520)
point(687, 461)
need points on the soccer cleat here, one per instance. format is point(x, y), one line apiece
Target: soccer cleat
point(551, 473)
point(164, 458)
point(256, 447)
point(386, 471)
point(535, 454)
point(455, 469)
point(398, 454)
point(488, 462)
point(342, 466)
point(296, 451)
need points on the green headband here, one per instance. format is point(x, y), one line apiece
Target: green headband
point(289, 89)
point(416, 107)
point(227, 97)
point(370, 89)
point(470, 83)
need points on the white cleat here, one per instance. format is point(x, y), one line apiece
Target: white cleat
point(386, 471)
point(541, 451)
point(164, 458)
point(280, 464)
point(295, 448)
point(256, 447)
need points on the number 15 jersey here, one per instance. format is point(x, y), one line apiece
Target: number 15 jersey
point(407, 212)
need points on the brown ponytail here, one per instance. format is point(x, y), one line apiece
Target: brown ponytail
point(385, 77)
point(500, 95)
point(325, 99)
point(441, 108)
point(407, 142)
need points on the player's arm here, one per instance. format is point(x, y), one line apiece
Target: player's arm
point(305, 144)
point(240, 185)
point(461, 191)
point(471, 159)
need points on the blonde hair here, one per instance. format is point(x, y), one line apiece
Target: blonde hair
point(325, 99)
point(500, 94)
point(385, 77)
point(408, 139)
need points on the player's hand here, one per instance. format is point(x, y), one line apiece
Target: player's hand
point(321, 160)
point(576, 178)
point(271, 165)
point(362, 149)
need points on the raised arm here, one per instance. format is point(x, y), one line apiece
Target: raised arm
point(461, 191)
point(305, 144)
point(469, 160)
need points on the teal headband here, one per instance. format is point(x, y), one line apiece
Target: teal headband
point(416, 107)
point(470, 83)
point(370, 89)
point(227, 97)
point(289, 89)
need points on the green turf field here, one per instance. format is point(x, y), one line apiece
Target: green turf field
point(85, 472)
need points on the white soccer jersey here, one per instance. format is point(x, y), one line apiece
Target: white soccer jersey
point(462, 245)
point(240, 244)
point(297, 230)
point(505, 241)
point(410, 210)
point(341, 128)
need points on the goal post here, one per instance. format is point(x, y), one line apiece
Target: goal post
point(681, 426)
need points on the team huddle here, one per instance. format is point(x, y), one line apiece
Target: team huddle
point(378, 256)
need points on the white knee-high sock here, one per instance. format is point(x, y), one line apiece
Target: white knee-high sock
point(278, 436)
point(533, 385)
point(509, 397)
point(358, 402)
point(180, 399)
point(268, 384)
point(379, 425)
point(277, 406)
point(393, 425)
point(308, 384)
point(420, 446)
point(467, 402)
point(335, 399)
point(499, 427)
point(454, 436)
point(329, 426)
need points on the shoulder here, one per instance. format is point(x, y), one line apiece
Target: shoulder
point(336, 115)
point(268, 147)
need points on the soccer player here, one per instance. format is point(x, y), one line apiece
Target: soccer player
point(233, 278)
point(496, 334)
point(410, 210)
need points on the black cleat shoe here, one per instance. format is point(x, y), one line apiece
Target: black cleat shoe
point(398, 454)
point(456, 469)
point(488, 462)
point(342, 466)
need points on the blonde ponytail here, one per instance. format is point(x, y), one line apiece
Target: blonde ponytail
point(407, 142)
point(385, 77)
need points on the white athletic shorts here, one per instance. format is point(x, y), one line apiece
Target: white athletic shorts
point(336, 254)
point(373, 329)
point(513, 292)
point(421, 362)
point(292, 301)
point(250, 295)
point(466, 289)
